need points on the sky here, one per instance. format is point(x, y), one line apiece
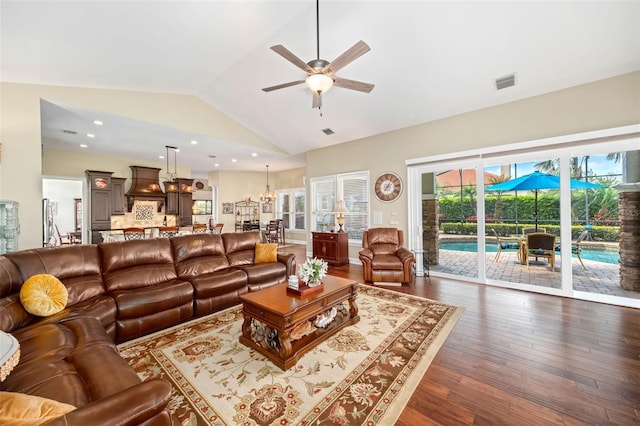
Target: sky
point(598, 164)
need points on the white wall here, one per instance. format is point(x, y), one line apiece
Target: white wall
point(21, 171)
point(602, 104)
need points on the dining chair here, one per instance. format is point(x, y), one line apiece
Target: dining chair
point(133, 233)
point(281, 238)
point(540, 244)
point(168, 231)
point(63, 241)
point(270, 234)
point(200, 228)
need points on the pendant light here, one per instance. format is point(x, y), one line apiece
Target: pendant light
point(267, 196)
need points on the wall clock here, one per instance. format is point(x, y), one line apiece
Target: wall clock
point(388, 186)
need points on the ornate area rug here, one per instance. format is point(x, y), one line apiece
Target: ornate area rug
point(364, 374)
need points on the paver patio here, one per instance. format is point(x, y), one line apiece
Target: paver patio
point(599, 277)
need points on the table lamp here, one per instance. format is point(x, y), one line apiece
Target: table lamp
point(340, 208)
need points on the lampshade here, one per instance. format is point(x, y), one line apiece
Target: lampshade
point(340, 207)
point(319, 83)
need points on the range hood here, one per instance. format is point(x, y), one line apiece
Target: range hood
point(145, 186)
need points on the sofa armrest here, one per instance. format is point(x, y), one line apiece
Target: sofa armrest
point(132, 406)
point(405, 255)
point(366, 253)
point(289, 259)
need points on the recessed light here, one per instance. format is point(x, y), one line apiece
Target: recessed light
point(161, 157)
point(233, 160)
point(177, 150)
point(194, 142)
point(216, 165)
point(83, 145)
point(98, 122)
point(91, 135)
point(253, 154)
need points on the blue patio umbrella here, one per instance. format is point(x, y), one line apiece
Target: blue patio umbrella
point(536, 181)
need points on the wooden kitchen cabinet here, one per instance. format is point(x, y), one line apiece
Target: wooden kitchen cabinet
point(333, 247)
point(185, 201)
point(118, 199)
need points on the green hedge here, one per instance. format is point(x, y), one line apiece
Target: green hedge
point(598, 233)
point(548, 207)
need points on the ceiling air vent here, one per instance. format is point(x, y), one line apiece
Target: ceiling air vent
point(504, 82)
point(69, 132)
point(327, 131)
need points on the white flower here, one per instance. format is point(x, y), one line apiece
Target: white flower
point(313, 270)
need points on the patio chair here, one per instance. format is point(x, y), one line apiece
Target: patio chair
point(527, 231)
point(575, 246)
point(506, 243)
point(540, 244)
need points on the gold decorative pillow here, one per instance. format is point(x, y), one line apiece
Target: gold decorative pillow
point(19, 409)
point(43, 295)
point(266, 253)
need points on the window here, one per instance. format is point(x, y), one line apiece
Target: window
point(353, 188)
point(202, 207)
point(291, 208)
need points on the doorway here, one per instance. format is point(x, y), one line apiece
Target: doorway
point(63, 212)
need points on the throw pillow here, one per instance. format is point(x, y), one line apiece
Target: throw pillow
point(266, 253)
point(19, 409)
point(43, 295)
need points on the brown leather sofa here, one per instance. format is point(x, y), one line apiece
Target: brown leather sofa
point(119, 291)
point(383, 257)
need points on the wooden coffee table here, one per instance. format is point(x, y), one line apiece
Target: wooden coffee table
point(283, 326)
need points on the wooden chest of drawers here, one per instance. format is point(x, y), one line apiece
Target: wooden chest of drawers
point(332, 247)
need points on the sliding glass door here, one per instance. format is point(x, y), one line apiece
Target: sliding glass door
point(546, 219)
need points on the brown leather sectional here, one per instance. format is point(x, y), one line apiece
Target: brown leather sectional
point(120, 291)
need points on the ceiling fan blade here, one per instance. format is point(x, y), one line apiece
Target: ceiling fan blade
point(317, 101)
point(282, 86)
point(353, 53)
point(352, 84)
point(285, 53)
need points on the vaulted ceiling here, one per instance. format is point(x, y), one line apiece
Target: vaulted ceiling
point(428, 60)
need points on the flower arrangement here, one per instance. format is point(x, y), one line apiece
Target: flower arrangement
point(312, 271)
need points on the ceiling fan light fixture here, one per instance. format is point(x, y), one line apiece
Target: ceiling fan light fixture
point(319, 83)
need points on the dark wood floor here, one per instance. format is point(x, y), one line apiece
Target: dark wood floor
point(519, 358)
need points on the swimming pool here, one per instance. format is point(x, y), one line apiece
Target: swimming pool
point(595, 254)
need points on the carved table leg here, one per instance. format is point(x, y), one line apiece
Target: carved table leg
point(246, 327)
point(285, 344)
point(353, 308)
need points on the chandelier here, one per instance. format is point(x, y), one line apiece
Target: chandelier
point(171, 176)
point(170, 184)
point(267, 196)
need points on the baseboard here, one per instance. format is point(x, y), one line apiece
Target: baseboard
point(388, 284)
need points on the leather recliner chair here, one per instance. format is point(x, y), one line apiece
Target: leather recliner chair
point(383, 257)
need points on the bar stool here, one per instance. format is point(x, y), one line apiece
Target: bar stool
point(133, 233)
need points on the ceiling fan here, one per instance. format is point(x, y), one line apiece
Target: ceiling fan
point(320, 73)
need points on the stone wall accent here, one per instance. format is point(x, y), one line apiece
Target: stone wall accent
point(430, 233)
point(629, 205)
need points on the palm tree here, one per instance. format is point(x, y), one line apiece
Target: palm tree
point(576, 163)
point(497, 208)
